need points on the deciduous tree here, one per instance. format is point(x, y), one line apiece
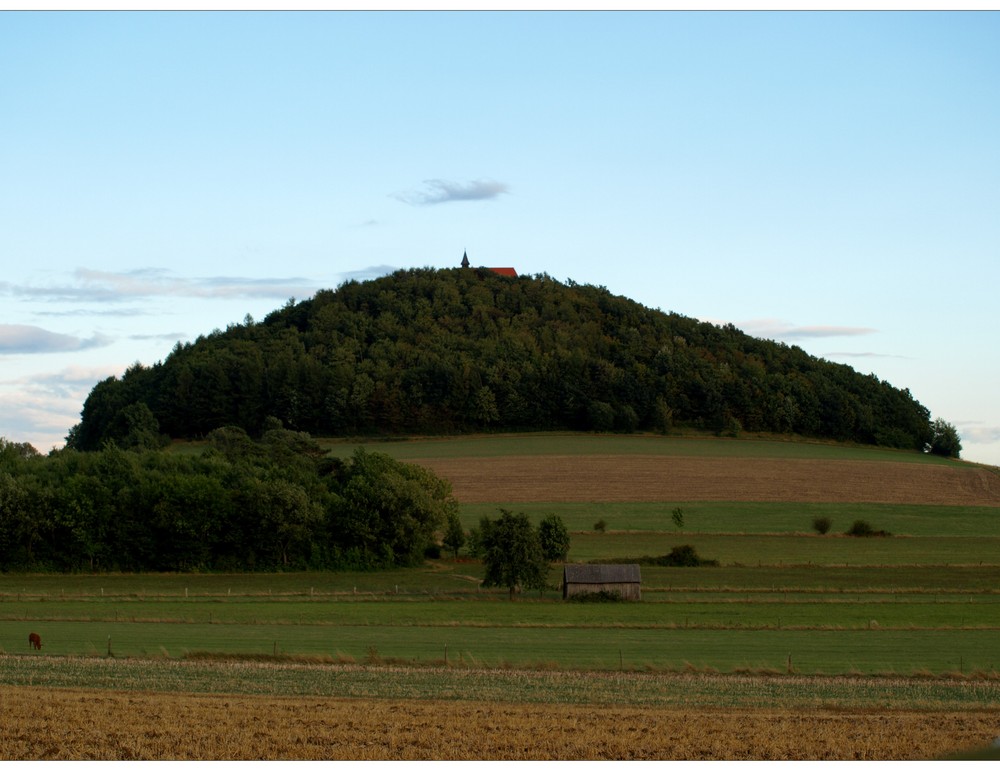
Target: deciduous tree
point(512, 553)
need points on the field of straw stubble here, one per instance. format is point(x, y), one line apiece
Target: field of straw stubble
point(71, 724)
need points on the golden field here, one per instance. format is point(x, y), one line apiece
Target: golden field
point(80, 724)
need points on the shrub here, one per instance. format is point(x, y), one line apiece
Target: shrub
point(600, 526)
point(861, 529)
point(677, 515)
point(554, 538)
point(680, 557)
point(822, 525)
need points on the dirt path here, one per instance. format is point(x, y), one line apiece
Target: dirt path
point(526, 479)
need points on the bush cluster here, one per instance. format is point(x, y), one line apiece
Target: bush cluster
point(861, 529)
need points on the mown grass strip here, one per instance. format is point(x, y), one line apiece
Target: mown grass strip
point(724, 610)
point(505, 445)
point(782, 550)
point(634, 689)
point(752, 517)
point(446, 577)
point(828, 651)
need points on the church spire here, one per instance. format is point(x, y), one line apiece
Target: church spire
point(465, 259)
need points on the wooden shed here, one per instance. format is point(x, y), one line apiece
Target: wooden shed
point(587, 579)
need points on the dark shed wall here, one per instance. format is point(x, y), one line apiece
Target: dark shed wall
point(589, 579)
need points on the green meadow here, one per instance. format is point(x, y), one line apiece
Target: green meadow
point(925, 600)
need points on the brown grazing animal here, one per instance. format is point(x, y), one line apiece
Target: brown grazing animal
point(35, 641)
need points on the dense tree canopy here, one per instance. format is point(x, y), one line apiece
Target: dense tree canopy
point(945, 440)
point(272, 504)
point(450, 351)
point(512, 552)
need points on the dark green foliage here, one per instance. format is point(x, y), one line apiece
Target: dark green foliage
point(861, 529)
point(275, 504)
point(822, 525)
point(680, 557)
point(512, 553)
point(451, 351)
point(677, 515)
point(454, 535)
point(554, 538)
point(388, 512)
point(945, 440)
point(600, 526)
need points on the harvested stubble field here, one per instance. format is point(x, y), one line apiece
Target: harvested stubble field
point(611, 478)
point(103, 725)
point(368, 713)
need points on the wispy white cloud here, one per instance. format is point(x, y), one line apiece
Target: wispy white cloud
point(161, 336)
point(783, 330)
point(863, 355)
point(373, 271)
point(977, 432)
point(445, 191)
point(22, 338)
point(98, 286)
point(120, 312)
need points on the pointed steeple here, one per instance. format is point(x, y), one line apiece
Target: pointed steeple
point(465, 259)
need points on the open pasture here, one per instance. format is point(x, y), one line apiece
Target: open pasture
point(752, 517)
point(880, 620)
point(923, 600)
point(760, 550)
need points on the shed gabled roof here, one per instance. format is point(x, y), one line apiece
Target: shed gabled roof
point(601, 574)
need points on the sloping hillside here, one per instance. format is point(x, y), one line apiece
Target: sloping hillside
point(455, 351)
point(540, 468)
point(652, 478)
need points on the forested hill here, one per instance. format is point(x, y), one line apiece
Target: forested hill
point(449, 351)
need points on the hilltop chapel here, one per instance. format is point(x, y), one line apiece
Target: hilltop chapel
point(501, 271)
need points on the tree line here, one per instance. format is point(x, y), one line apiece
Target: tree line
point(277, 503)
point(451, 351)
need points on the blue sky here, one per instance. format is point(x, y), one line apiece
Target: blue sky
point(829, 180)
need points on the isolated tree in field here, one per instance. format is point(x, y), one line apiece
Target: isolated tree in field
point(945, 440)
point(822, 525)
point(677, 515)
point(512, 553)
point(554, 538)
point(454, 535)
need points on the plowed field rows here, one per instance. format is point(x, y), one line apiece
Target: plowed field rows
point(617, 478)
point(51, 724)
